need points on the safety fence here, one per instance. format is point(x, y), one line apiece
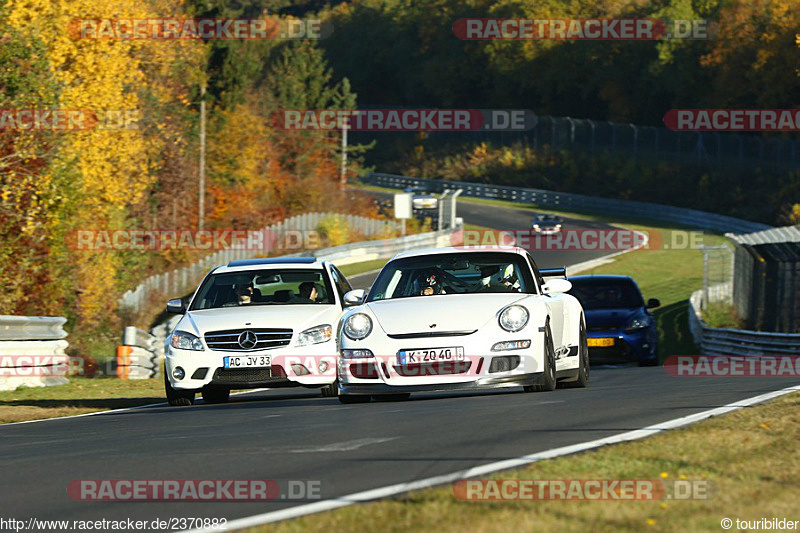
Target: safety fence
point(577, 203)
point(731, 341)
point(651, 144)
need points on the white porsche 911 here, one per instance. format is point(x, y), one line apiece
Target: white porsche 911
point(461, 318)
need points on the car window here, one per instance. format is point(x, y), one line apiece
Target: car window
point(342, 285)
point(597, 294)
point(452, 274)
point(264, 287)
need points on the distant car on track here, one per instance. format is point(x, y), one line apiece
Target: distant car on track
point(619, 324)
point(449, 319)
point(249, 316)
point(422, 198)
point(546, 224)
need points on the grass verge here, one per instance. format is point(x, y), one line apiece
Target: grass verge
point(750, 456)
point(79, 396)
point(671, 275)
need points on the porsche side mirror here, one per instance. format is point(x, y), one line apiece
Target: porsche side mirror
point(556, 286)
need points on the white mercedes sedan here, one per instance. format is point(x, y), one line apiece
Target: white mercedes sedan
point(461, 318)
point(256, 323)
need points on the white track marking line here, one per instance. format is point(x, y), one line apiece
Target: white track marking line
point(400, 488)
point(343, 446)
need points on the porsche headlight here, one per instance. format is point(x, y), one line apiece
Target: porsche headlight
point(185, 341)
point(358, 326)
point(513, 318)
point(315, 335)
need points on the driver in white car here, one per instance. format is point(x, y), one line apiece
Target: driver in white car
point(244, 295)
point(428, 284)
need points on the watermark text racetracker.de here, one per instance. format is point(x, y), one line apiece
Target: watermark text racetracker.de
point(99, 240)
point(732, 119)
point(405, 119)
point(584, 489)
point(183, 490)
point(733, 366)
point(172, 29)
point(601, 239)
point(68, 119)
point(39, 365)
point(589, 29)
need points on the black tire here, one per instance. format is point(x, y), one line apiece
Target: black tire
point(216, 395)
point(654, 362)
point(583, 362)
point(399, 397)
point(177, 397)
point(330, 391)
point(353, 398)
point(547, 382)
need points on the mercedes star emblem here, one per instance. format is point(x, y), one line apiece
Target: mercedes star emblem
point(247, 339)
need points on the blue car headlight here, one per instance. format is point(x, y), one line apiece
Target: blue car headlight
point(638, 323)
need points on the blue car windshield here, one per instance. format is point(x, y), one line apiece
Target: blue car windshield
point(604, 294)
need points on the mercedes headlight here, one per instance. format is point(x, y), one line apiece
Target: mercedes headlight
point(315, 335)
point(357, 326)
point(185, 341)
point(513, 318)
point(638, 323)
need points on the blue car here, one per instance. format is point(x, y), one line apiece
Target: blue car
point(619, 325)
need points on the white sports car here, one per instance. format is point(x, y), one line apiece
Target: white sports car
point(461, 318)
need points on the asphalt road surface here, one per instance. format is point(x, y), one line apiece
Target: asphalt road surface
point(295, 434)
point(286, 435)
point(546, 253)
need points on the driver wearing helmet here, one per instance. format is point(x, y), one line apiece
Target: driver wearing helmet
point(427, 284)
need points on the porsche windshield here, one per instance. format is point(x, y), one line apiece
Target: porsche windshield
point(264, 287)
point(440, 274)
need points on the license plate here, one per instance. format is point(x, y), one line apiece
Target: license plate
point(425, 355)
point(600, 342)
point(246, 361)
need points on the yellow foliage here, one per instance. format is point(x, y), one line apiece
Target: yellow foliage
point(335, 230)
point(103, 75)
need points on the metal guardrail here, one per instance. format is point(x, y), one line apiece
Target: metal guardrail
point(578, 203)
point(358, 252)
point(141, 354)
point(186, 278)
point(27, 328)
point(730, 341)
point(23, 340)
